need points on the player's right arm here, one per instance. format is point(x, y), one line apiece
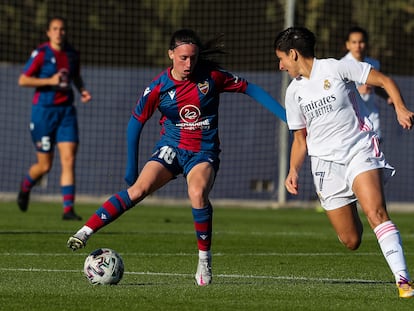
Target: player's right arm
point(133, 135)
point(297, 157)
point(30, 74)
point(29, 81)
point(144, 109)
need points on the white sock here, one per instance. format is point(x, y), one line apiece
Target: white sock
point(204, 254)
point(86, 230)
point(391, 245)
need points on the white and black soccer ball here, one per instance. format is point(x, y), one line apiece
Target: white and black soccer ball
point(104, 266)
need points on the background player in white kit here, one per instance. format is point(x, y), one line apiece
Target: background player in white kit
point(356, 44)
point(347, 165)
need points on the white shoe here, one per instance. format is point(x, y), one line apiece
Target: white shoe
point(203, 275)
point(77, 241)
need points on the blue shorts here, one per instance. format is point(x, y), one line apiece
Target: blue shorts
point(180, 161)
point(52, 125)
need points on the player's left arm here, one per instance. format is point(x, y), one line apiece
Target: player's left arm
point(78, 81)
point(405, 117)
point(260, 95)
point(80, 86)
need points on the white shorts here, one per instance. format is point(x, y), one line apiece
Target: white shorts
point(333, 181)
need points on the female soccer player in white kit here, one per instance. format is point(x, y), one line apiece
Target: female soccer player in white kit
point(347, 164)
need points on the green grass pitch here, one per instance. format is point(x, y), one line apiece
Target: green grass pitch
point(263, 259)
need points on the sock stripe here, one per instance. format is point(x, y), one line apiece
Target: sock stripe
point(109, 209)
point(121, 201)
point(27, 184)
point(385, 229)
point(68, 195)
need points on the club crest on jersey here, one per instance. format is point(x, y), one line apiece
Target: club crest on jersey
point(203, 87)
point(326, 84)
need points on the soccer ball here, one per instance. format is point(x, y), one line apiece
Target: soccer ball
point(103, 266)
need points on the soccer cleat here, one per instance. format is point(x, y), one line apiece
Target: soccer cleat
point(71, 215)
point(77, 241)
point(405, 288)
point(23, 200)
point(203, 275)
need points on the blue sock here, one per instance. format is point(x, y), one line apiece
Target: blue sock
point(68, 194)
point(203, 224)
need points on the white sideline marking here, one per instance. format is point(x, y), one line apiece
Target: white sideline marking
point(231, 276)
point(195, 254)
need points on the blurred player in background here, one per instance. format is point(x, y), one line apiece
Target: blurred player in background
point(51, 70)
point(357, 46)
point(187, 95)
point(322, 109)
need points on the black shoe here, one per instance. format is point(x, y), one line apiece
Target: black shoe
point(71, 216)
point(23, 200)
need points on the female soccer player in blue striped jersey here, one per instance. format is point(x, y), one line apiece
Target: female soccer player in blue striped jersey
point(323, 112)
point(52, 69)
point(187, 95)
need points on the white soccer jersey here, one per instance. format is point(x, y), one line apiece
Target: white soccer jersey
point(327, 105)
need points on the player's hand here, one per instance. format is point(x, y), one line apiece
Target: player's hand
point(85, 96)
point(55, 79)
point(405, 118)
point(291, 183)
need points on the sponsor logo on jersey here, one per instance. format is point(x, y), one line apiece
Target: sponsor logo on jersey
point(318, 107)
point(190, 115)
point(203, 87)
point(64, 78)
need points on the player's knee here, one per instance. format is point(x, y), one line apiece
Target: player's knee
point(197, 194)
point(138, 192)
point(350, 242)
point(377, 217)
point(45, 167)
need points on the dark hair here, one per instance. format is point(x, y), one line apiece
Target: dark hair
point(53, 18)
point(299, 38)
point(206, 50)
point(357, 29)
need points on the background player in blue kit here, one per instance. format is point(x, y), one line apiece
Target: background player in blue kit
point(52, 68)
point(356, 44)
point(187, 95)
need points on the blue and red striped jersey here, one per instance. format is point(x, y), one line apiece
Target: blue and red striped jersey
point(44, 62)
point(189, 109)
